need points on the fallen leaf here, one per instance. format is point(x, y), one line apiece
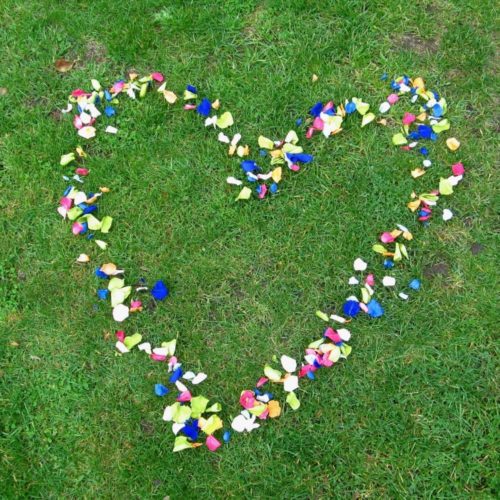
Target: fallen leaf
point(63, 65)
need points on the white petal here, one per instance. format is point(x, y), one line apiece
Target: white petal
point(188, 376)
point(384, 107)
point(338, 319)
point(353, 281)
point(360, 265)
point(388, 281)
point(403, 296)
point(223, 138)
point(233, 181)
point(447, 214)
point(199, 378)
point(167, 414)
point(111, 130)
point(121, 347)
point(289, 364)
point(291, 383)
point(180, 386)
point(87, 132)
point(235, 139)
point(176, 428)
point(344, 334)
point(120, 313)
point(145, 346)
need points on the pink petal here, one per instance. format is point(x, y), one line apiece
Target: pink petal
point(408, 118)
point(158, 77)
point(392, 98)
point(370, 280)
point(264, 414)
point(82, 171)
point(327, 106)
point(77, 122)
point(189, 107)
point(294, 168)
point(263, 191)
point(212, 443)
point(363, 307)
point(172, 361)
point(117, 87)
point(386, 237)
point(184, 397)
point(310, 132)
point(261, 381)
point(76, 228)
point(157, 357)
point(318, 123)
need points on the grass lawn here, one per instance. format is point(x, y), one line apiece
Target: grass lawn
point(410, 414)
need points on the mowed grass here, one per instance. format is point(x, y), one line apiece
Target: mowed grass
point(412, 413)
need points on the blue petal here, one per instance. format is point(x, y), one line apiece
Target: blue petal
point(226, 437)
point(351, 308)
point(89, 209)
point(191, 429)
point(161, 390)
point(425, 131)
point(316, 109)
point(298, 122)
point(375, 310)
point(384, 77)
point(350, 107)
point(300, 157)
point(274, 188)
point(100, 274)
point(424, 151)
point(107, 95)
point(176, 375)
point(249, 166)
point(109, 111)
point(388, 264)
point(192, 89)
point(310, 375)
point(103, 293)
point(159, 290)
point(414, 284)
point(204, 107)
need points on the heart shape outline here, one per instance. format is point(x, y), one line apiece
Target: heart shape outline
point(331, 347)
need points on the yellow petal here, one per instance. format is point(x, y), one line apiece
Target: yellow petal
point(276, 175)
point(265, 143)
point(452, 143)
point(225, 120)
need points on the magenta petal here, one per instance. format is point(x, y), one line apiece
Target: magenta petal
point(408, 118)
point(294, 168)
point(263, 191)
point(458, 169)
point(247, 399)
point(264, 414)
point(386, 237)
point(82, 171)
point(120, 335)
point(212, 443)
point(310, 132)
point(370, 280)
point(66, 202)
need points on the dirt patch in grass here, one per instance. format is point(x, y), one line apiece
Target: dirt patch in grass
point(417, 44)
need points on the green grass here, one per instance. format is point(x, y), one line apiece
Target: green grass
point(410, 414)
